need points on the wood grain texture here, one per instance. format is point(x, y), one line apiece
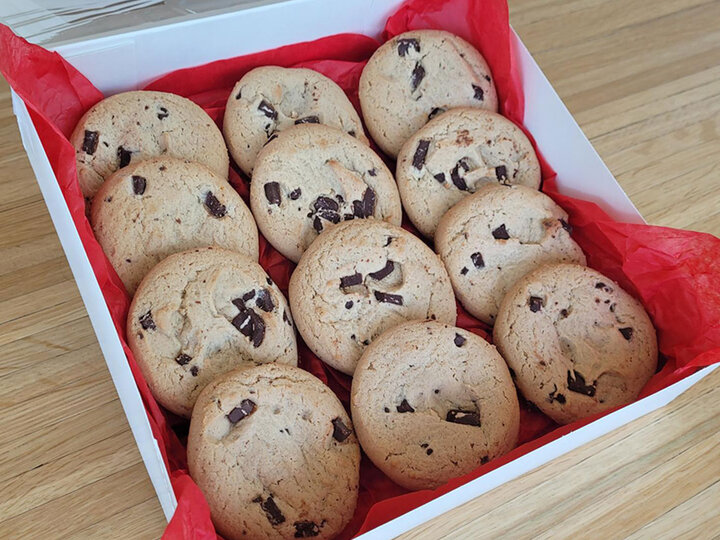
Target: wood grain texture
point(643, 80)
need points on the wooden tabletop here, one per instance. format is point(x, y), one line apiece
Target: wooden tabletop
point(642, 77)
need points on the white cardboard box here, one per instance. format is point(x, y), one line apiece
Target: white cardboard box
point(140, 56)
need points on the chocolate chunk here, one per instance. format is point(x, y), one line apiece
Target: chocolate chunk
point(308, 120)
point(340, 430)
point(243, 322)
point(467, 418)
point(440, 177)
point(348, 217)
point(387, 298)
point(577, 384)
point(349, 281)
point(600, 285)
point(317, 225)
point(535, 303)
point(404, 407)
point(246, 408)
point(138, 183)
point(123, 156)
point(213, 205)
point(368, 202)
point(626, 332)
point(435, 112)
point(458, 180)
point(348, 304)
point(358, 209)
point(383, 272)
point(418, 74)
point(183, 359)
point(163, 113)
point(146, 321)
point(429, 451)
point(421, 154)
point(239, 94)
point(327, 215)
point(404, 45)
point(194, 371)
point(464, 270)
point(272, 192)
point(267, 110)
point(459, 340)
point(565, 225)
point(90, 142)
point(258, 329)
point(501, 233)
point(295, 194)
point(388, 241)
point(325, 203)
point(306, 529)
point(501, 173)
point(264, 300)
point(272, 512)
point(478, 92)
point(477, 260)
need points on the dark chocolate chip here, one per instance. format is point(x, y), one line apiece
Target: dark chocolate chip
point(306, 529)
point(358, 209)
point(139, 183)
point(243, 322)
point(264, 300)
point(325, 203)
point(267, 110)
point(183, 359)
point(383, 272)
point(388, 241)
point(464, 270)
point(577, 384)
point(457, 179)
point(563, 313)
point(348, 304)
point(565, 225)
point(372, 172)
point(258, 329)
point(478, 92)
point(123, 156)
point(213, 205)
point(440, 177)
point(556, 396)
point(459, 340)
point(352, 133)
point(348, 217)
point(295, 194)
point(146, 321)
point(435, 112)
point(612, 307)
point(272, 512)
point(349, 281)
point(272, 192)
point(387, 298)
point(308, 120)
point(194, 371)
point(487, 78)
point(90, 142)
point(418, 74)
point(246, 408)
point(600, 285)
point(420, 154)
point(368, 202)
point(328, 215)
point(239, 94)
point(477, 260)
point(501, 172)
point(535, 303)
point(340, 430)
point(287, 319)
point(501, 233)
point(484, 460)
point(429, 451)
point(626, 332)
point(404, 45)
point(163, 113)
point(467, 418)
point(404, 407)
point(317, 225)
point(386, 410)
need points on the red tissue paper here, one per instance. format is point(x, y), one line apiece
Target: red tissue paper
point(673, 272)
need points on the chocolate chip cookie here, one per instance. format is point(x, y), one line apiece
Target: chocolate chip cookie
point(416, 76)
point(201, 313)
point(269, 99)
point(274, 453)
point(152, 209)
point(312, 177)
point(432, 402)
point(132, 126)
point(577, 342)
point(455, 154)
point(494, 237)
point(359, 279)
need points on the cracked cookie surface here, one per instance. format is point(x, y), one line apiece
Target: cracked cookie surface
point(201, 313)
point(577, 342)
point(313, 176)
point(132, 126)
point(161, 206)
point(270, 99)
point(361, 278)
point(274, 453)
point(432, 402)
point(492, 238)
point(454, 155)
point(417, 75)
